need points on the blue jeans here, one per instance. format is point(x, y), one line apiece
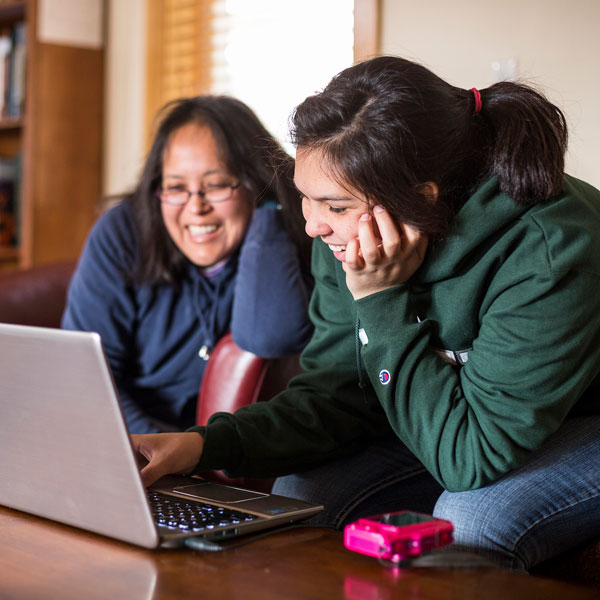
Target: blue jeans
point(545, 507)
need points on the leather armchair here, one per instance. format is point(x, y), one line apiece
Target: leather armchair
point(235, 378)
point(35, 296)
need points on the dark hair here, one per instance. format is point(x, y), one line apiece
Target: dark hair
point(387, 124)
point(250, 153)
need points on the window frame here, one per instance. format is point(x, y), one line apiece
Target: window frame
point(159, 55)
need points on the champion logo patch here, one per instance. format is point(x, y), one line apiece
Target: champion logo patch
point(384, 376)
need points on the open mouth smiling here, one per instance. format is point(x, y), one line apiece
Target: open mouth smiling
point(202, 229)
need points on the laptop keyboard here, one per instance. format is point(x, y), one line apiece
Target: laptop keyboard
point(178, 514)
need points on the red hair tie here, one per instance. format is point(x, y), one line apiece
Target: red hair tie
point(477, 95)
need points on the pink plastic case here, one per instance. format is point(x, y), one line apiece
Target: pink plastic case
point(397, 536)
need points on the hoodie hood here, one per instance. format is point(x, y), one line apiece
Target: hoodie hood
point(485, 217)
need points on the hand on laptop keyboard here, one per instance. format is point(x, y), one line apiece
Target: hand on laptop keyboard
point(167, 454)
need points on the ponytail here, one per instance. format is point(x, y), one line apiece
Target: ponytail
point(387, 125)
point(529, 141)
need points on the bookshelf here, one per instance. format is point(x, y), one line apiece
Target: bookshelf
point(58, 137)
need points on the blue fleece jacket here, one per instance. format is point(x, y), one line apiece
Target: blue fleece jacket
point(153, 335)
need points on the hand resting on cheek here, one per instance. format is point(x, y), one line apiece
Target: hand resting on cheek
point(372, 264)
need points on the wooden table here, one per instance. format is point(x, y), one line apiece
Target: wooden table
point(43, 560)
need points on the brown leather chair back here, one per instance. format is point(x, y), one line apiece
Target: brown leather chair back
point(234, 378)
point(35, 296)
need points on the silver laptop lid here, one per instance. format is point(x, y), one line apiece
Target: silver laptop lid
point(65, 453)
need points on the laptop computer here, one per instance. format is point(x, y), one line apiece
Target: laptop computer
point(66, 455)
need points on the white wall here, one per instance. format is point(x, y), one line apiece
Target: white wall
point(124, 95)
point(556, 45)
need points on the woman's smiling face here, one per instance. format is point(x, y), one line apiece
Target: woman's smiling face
point(331, 211)
point(205, 233)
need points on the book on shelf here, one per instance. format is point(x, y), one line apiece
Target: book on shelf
point(10, 200)
point(16, 95)
point(5, 51)
point(12, 70)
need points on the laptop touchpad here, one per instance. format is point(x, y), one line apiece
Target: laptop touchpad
point(217, 492)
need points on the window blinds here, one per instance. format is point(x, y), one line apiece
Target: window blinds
point(179, 49)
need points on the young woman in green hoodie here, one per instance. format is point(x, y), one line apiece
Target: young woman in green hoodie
point(455, 360)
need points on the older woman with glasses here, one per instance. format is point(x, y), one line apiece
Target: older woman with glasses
point(205, 245)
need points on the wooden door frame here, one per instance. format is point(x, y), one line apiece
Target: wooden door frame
point(366, 29)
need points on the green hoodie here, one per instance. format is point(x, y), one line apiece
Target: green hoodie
point(473, 362)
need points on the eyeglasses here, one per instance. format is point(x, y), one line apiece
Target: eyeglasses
point(178, 195)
